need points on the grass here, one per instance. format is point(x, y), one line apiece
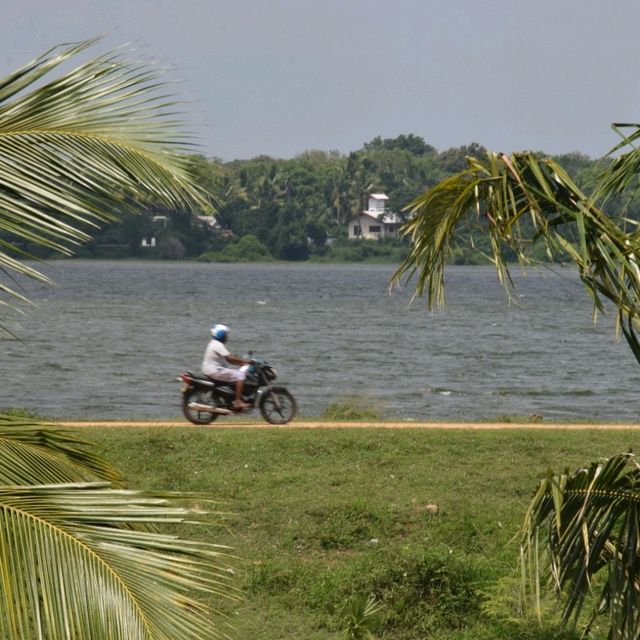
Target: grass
point(322, 517)
point(21, 412)
point(352, 408)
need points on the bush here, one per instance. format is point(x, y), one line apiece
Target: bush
point(417, 590)
point(386, 250)
point(171, 248)
point(246, 249)
point(468, 256)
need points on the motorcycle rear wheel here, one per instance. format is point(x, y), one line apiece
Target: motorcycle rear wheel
point(192, 415)
point(278, 407)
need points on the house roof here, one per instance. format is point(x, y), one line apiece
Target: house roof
point(379, 196)
point(208, 220)
point(382, 216)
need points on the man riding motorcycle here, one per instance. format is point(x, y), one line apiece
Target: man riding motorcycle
point(215, 361)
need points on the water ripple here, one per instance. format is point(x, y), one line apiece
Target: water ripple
point(108, 342)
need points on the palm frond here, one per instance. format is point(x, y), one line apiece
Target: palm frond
point(79, 559)
point(623, 173)
point(77, 562)
point(82, 147)
point(501, 193)
point(580, 524)
point(33, 453)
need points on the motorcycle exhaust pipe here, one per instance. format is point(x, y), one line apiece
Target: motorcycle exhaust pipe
point(197, 406)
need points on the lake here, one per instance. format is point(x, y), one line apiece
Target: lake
point(109, 340)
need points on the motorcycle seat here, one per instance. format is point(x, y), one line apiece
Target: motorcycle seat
point(215, 381)
point(200, 376)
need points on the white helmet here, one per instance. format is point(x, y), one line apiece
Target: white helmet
point(220, 332)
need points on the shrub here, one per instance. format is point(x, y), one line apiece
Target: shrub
point(386, 250)
point(246, 249)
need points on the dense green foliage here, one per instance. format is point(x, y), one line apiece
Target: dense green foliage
point(423, 520)
point(299, 208)
point(245, 249)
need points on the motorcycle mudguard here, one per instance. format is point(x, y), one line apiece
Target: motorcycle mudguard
point(265, 391)
point(278, 388)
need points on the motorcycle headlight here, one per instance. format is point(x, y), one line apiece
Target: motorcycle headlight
point(272, 374)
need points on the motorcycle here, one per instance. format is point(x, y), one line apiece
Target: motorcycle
point(204, 399)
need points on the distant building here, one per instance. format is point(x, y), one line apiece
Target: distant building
point(376, 222)
point(208, 221)
point(160, 219)
point(150, 241)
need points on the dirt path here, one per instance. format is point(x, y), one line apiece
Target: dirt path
point(310, 424)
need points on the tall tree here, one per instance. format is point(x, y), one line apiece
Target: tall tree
point(341, 197)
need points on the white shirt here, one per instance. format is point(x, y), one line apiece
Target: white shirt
point(215, 358)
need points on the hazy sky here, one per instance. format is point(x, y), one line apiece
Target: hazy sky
point(278, 77)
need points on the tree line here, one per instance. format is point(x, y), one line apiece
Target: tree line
point(297, 209)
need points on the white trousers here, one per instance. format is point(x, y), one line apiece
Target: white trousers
point(228, 375)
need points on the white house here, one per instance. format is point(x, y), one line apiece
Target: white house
point(375, 222)
point(208, 221)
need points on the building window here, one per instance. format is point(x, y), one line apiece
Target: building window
point(391, 228)
point(357, 230)
point(374, 228)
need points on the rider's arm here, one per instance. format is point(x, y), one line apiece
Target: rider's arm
point(232, 359)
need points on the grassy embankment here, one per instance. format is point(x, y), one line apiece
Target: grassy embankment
point(320, 515)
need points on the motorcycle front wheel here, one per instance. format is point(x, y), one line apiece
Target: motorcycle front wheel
point(278, 407)
point(193, 415)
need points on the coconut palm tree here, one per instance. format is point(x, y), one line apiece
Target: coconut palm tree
point(521, 200)
point(80, 556)
point(583, 524)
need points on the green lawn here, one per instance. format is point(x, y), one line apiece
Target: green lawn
point(321, 515)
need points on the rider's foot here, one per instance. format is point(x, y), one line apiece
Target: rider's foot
point(240, 406)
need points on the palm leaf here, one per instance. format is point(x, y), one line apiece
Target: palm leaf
point(82, 147)
point(502, 193)
point(584, 523)
point(42, 454)
point(74, 563)
point(83, 560)
point(71, 538)
point(622, 175)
